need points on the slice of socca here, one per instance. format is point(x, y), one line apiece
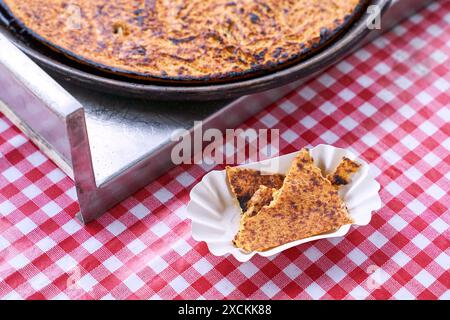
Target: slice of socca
point(307, 204)
point(244, 183)
point(343, 172)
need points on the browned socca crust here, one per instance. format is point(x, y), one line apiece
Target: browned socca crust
point(184, 40)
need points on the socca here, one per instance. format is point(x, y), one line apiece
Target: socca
point(245, 182)
point(307, 204)
point(180, 40)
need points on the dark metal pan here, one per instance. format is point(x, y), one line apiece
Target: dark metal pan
point(75, 73)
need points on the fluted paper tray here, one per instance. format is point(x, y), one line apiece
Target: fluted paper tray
point(215, 215)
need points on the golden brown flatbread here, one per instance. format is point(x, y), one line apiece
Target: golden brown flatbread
point(185, 40)
point(307, 204)
point(343, 172)
point(244, 183)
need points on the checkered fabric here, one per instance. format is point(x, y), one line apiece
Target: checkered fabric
point(388, 103)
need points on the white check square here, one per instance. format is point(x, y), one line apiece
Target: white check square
point(203, 266)
point(134, 283)
point(292, 271)
point(348, 123)
point(87, 282)
point(359, 293)
point(163, 195)
point(435, 192)
point(336, 273)
point(46, 243)
point(362, 54)
point(158, 264)
point(404, 294)
point(185, 179)
point(3, 126)
point(401, 258)
point(421, 241)
point(179, 284)
point(328, 108)
point(370, 139)
point(386, 95)
point(56, 175)
point(443, 260)
point(432, 159)
point(307, 93)
point(19, 261)
point(12, 174)
point(329, 137)
point(136, 246)
point(326, 80)
point(424, 98)
point(31, 191)
point(416, 206)
point(357, 256)
point(378, 239)
point(248, 269)
point(288, 107)
point(315, 291)
point(425, 278)
point(225, 287)
point(51, 209)
point(116, 228)
point(92, 245)
point(160, 229)
point(71, 226)
point(344, 67)
point(36, 158)
point(442, 85)
point(67, 264)
point(17, 141)
point(417, 43)
point(428, 127)
point(112, 263)
point(365, 81)
point(407, 111)
point(394, 189)
point(39, 281)
point(403, 82)
point(388, 125)
point(308, 122)
point(413, 174)
point(26, 225)
point(397, 222)
point(367, 109)
point(410, 142)
point(289, 135)
point(382, 68)
point(313, 254)
point(440, 226)
point(391, 156)
point(346, 94)
point(269, 120)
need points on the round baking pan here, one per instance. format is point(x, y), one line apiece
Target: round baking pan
point(77, 74)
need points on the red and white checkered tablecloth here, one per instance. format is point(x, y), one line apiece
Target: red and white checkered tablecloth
point(388, 102)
